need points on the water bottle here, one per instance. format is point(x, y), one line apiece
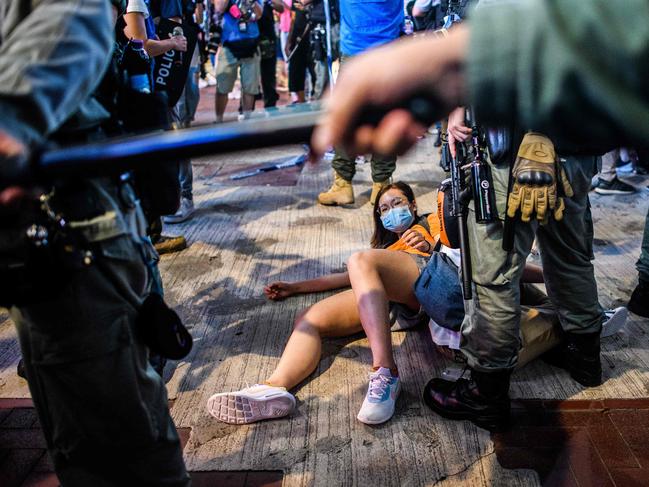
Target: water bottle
point(484, 197)
point(178, 32)
point(483, 192)
point(137, 65)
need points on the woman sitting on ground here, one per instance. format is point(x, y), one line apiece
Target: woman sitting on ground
point(382, 281)
point(401, 245)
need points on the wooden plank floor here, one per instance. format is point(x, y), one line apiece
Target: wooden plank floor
point(246, 236)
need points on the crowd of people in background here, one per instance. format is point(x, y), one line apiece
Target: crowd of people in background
point(234, 46)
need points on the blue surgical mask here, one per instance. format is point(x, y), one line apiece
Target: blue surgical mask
point(398, 219)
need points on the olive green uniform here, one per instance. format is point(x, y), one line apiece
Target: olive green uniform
point(102, 408)
point(572, 69)
point(491, 326)
point(382, 166)
point(575, 70)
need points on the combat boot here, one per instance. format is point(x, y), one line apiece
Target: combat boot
point(376, 187)
point(639, 302)
point(483, 400)
point(340, 193)
point(578, 355)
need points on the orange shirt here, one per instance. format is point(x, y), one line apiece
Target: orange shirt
point(431, 237)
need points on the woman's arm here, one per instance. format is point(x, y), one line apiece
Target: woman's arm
point(281, 290)
point(136, 29)
point(532, 273)
point(324, 283)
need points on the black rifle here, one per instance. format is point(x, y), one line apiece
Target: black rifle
point(470, 179)
point(460, 197)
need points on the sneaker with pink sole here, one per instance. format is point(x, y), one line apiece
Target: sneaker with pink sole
point(255, 403)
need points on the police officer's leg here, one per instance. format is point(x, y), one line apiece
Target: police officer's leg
point(639, 302)
point(181, 116)
point(341, 191)
point(102, 407)
point(382, 169)
point(566, 252)
point(491, 326)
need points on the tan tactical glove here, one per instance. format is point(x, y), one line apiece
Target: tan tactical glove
point(535, 181)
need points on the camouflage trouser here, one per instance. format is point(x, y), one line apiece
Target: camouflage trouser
point(382, 167)
point(491, 326)
point(102, 407)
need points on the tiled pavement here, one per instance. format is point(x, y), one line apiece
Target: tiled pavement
point(569, 443)
point(25, 463)
point(579, 443)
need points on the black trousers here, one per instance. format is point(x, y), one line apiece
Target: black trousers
point(269, 81)
point(300, 62)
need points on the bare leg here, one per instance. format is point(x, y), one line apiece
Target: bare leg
point(379, 276)
point(248, 103)
point(335, 316)
point(299, 97)
point(220, 102)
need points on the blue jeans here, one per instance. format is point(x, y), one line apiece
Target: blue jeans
point(183, 115)
point(188, 102)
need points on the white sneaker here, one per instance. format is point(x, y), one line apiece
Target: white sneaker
point(251, 404)
point(615, 321)
point(202, 84)
point(381, 397)
point(211, 80)
point(185, 211)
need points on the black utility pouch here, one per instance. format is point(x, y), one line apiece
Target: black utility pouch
point(161, 329)
point(34, 257)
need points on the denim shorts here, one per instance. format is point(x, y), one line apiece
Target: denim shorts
point(420, 260)
point(401, 316)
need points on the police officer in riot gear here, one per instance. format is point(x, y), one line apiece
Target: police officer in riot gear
point(81, 257)
point(494, 65)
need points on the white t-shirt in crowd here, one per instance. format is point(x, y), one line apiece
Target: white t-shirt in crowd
point(137, 6)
